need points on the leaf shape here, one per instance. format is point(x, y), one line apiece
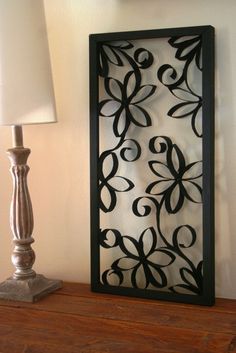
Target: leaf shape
point(175, 196)
point(159, 187)
point(188, 288)
point(148, 241)
point(129, 246)
point(103, 64)
point(187, 276)
point(114, 88)
point(197, 121)
point(175, 161)
point(108, 164)
point(194, 192)
point(185, 95)
point(173, 205)
point(144, 93)
point(193, 171)
point(121, 124)
point(138, 278)
point(124, 44)
point(160, 169)
point(186, 47)
point(126, 263)
point(111, 55)
point(182, 110)
point(121, 184)
point(107, 200)
point(139, 116)
point(131, 85)
point(109, 107)
point(161, 258)
point(155, 276)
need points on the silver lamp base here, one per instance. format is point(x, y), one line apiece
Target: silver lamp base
point(28, 290)
point(25, 285)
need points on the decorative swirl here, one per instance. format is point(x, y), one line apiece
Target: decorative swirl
point(146, 209)
point(163, 145)
point(143, 57)
point(109, 238)
point(117, 53)
point(168, 76)
point(136, 151)
point(138, 260)
point(124, 107)
point(147, 262)
point(188, 49)
point(176, 242)
point(145, 257)
point(191, 276)
point(194, 281)
point(111, 275)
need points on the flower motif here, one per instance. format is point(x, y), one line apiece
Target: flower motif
point(110, 53)
point(124, 103)
point(143, 259)
point(177, 180)
point(188, 48)
point(192, 280)
point(191, 106)
point(111, 183)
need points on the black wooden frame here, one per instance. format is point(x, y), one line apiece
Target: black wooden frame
point(207, 33)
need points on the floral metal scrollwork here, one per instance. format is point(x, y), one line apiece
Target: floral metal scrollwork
point(174, 176)
point(188, 51)
point(147, 256)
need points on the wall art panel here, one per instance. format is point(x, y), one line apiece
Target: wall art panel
point(152, 163)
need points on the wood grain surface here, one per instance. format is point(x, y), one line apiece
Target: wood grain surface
point(75, 320)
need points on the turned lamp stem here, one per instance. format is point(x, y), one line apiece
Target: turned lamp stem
point(25, 284)
point(21, 213)
point(17, 136)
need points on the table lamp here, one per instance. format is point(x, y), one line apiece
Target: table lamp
point(26, 97)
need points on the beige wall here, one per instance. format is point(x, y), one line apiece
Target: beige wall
point(59, 177)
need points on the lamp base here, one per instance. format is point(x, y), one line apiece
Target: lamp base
point(28, 290)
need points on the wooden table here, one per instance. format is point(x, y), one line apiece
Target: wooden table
point(74, 320)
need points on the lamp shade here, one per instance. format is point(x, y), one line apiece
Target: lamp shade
point(26, 88)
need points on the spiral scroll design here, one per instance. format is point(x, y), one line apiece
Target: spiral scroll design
point(175, 183)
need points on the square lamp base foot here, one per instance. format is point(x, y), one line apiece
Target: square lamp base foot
point(28, 290)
